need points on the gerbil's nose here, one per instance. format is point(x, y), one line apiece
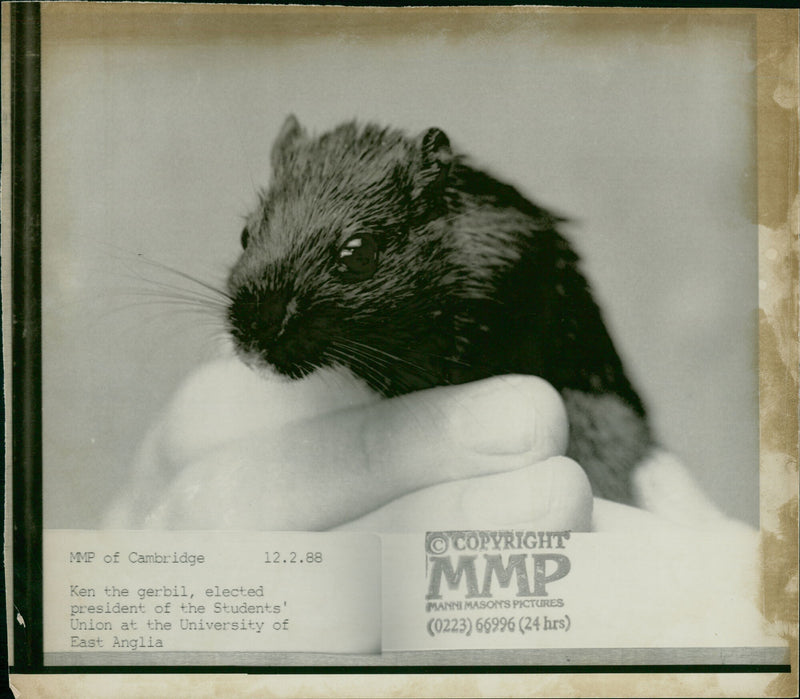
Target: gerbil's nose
point(270, 312)
point(258, 315)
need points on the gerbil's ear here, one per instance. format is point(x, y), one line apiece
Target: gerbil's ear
point(290, 133)
point(436, 157)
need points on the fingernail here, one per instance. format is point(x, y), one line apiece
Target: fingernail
point(501, 416)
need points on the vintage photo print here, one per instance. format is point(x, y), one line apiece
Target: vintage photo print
point(416, 338)
point(159, 148)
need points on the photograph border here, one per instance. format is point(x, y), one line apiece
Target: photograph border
point(777, 162)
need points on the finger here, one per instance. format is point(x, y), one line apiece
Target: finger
point(225, 400)
point(457, 432)
point(146, 479)
point(608, 516)
point(553, 494)
point(373, 455)
point(663, 485)
point(320, 472)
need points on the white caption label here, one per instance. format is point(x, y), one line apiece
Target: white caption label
point(211, 591)
point(482, 589)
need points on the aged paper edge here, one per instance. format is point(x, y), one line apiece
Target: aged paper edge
point(5, 293)
point(777, 127)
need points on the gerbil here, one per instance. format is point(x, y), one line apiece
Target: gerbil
point(394, 257)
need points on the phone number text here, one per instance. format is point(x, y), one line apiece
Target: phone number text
point(522, 625)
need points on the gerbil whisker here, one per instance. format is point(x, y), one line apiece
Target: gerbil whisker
point(368, 370)
point(162, 288)
point(351, 360)
point(217, 292)
point(132, 261)
point(347, 358)
point(110, 312)
point(365, 359)
point(186, 303)
point(199, 294)
point(419, 353)
point(176, 295)
point(372, 362)
point(389, 355)
point(158, 300)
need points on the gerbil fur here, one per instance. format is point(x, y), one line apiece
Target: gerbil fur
point(393, 256)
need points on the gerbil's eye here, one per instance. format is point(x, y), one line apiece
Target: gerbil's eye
point(357, 259)
point(245, 238)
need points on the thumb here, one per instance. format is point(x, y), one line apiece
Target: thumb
point(319, 472)
point(455, 432)
point(366, 456)
point(553, 494)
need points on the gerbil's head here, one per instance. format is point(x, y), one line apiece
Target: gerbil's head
point(343, 260)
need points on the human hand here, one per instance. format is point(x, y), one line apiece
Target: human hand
point(235, 451)
point(667, 498)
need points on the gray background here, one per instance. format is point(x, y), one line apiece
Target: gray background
point(156, 135)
